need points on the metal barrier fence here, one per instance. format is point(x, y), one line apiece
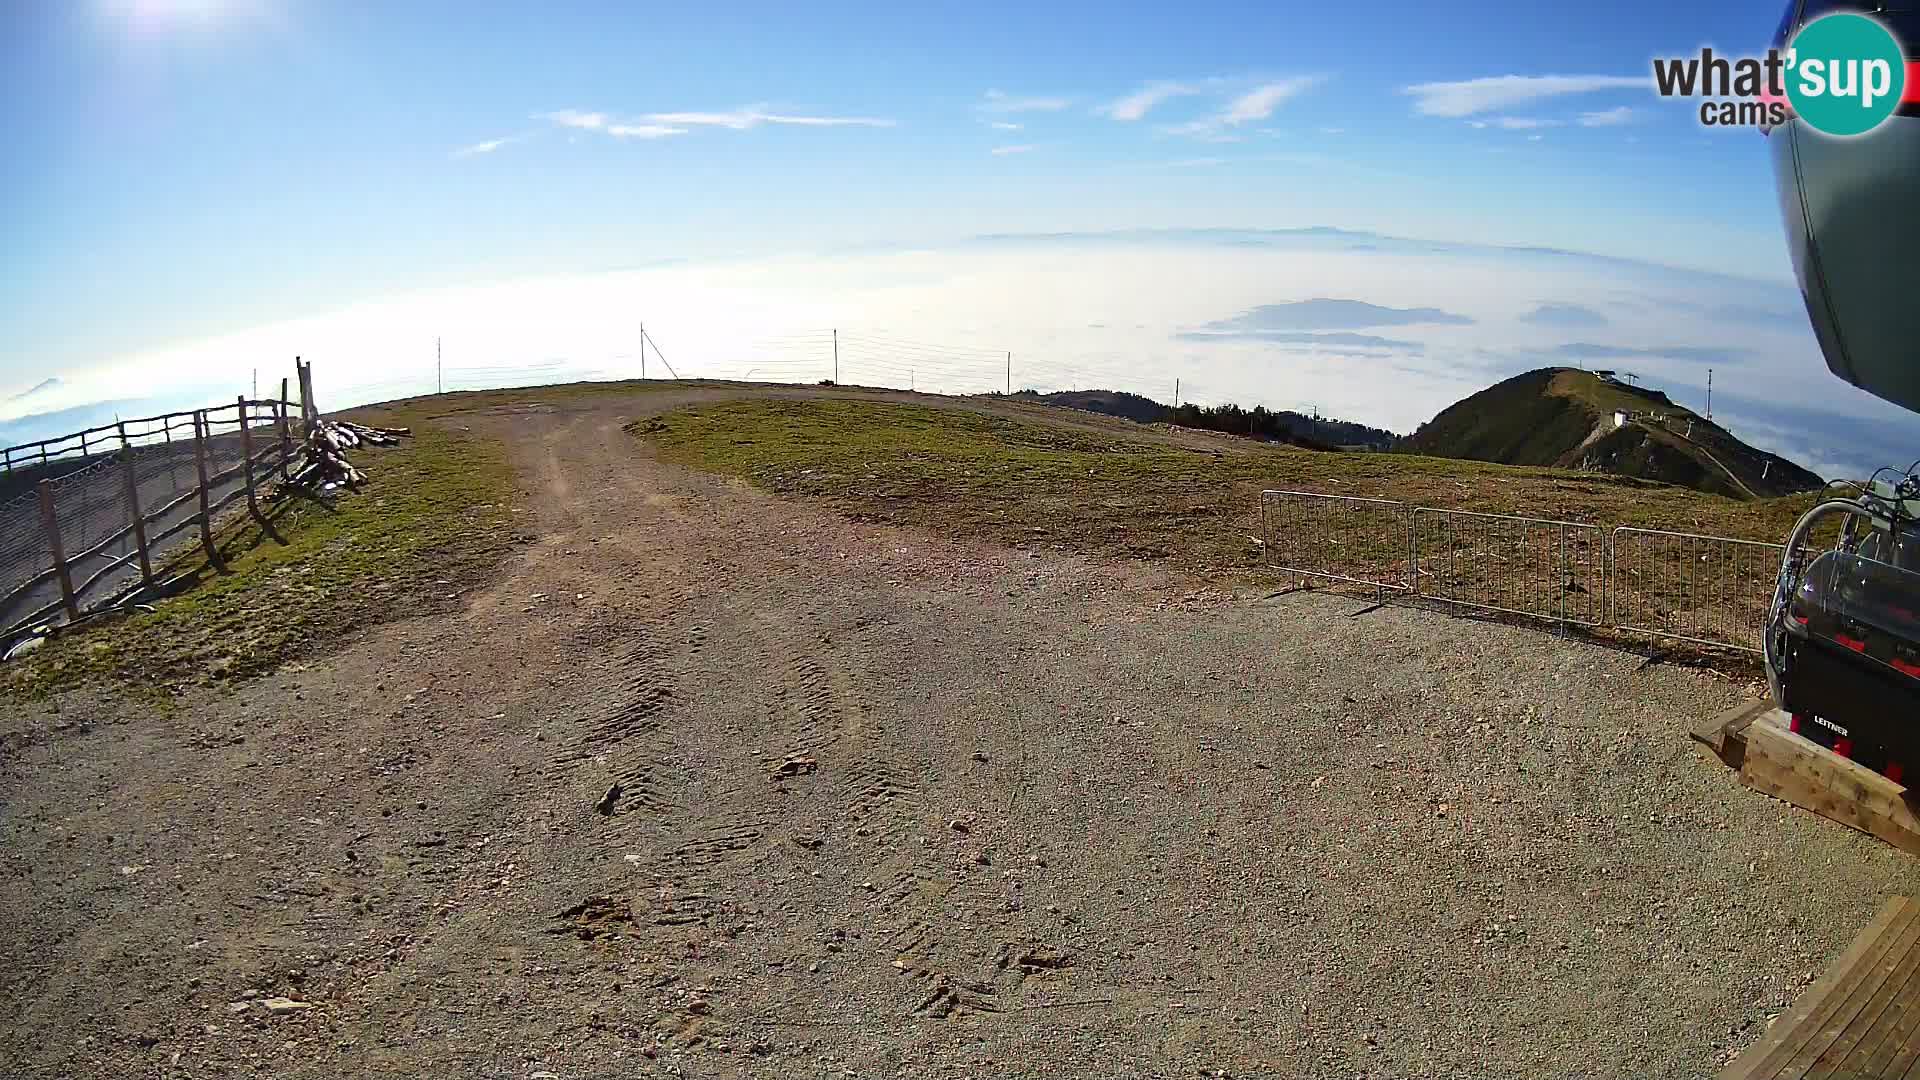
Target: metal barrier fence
point(1547, 569)
point(1707, 590)
point(1339, 537)
point(86, 531)
point(1710, 590)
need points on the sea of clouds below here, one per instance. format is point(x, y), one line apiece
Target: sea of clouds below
point(1364, 327)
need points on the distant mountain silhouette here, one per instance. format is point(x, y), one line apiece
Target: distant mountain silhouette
point(42, 387)
point(1292, 428)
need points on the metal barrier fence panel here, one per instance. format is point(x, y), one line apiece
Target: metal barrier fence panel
point(1709, 590)
point(1337, 537)
point(1515, 565)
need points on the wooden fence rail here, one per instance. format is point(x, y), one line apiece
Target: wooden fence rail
point(110, 438)
point(260, 460)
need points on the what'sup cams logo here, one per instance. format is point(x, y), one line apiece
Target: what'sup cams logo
point(1843, 74)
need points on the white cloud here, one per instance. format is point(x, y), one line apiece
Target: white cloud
point(486, 147)
point(1142, 101)
point(753, 116)
point(999, 101)
point(1607, 117)
point(1457, 99)
point(1004, 125)
point(1001, 151)
point(1259, 103)
point(574, 118)
point(1253, 105)
point(663, 125)
point(643, 131)
point(1535, 138)
point(1517, 123)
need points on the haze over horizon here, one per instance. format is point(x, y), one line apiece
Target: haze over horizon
point(198, 188)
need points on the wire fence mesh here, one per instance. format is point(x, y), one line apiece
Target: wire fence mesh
point(1706, 590)
point(1710, 590)
point(1338, 537)
point(24, 548)
point(154, 476)
point(1520, 566)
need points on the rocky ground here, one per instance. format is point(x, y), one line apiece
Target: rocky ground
point(709, 783)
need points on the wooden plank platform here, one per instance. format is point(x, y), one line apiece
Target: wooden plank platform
point(1860, 1020)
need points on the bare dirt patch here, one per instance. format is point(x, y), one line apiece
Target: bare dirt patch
point(1063, 814)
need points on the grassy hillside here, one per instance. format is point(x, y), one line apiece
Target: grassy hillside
point(1032, 483)
point(1565, 418)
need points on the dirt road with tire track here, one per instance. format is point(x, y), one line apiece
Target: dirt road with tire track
point(710, 783)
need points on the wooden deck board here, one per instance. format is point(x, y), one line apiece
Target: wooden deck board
point(1898, 1009)
point(1862, 1014)
point(1852, 1043)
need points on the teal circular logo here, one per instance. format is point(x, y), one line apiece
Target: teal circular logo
point(1845, 74)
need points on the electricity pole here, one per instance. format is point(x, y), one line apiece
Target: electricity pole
point(1176, 393)
point(643, 351)
point(439, 378)
point(1709, 393)
point(1009, 374)
point(836, 356)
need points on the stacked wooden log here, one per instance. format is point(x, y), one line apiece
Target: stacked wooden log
point(324, 465)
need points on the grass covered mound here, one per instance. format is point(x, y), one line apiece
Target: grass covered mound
point(432, 514)
point(1019, 482)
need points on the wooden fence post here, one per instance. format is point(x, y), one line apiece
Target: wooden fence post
point(133, 506)
point(307, 411)
point(59, 556)
point(286, 436)
point(200, 466)
point(246, 460)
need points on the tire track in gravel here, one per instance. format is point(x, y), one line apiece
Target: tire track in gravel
point(878, 794)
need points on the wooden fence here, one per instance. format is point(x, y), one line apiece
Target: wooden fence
point(129, 502)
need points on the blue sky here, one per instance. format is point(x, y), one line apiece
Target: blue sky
point(175, 168)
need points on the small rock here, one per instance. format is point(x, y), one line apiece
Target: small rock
point(278, 1005)
point(980, 756)
point(699, 1007)
point(959, 825)
point(795, 766)
point(609, 800)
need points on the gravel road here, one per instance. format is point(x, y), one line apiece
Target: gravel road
point(708, 783)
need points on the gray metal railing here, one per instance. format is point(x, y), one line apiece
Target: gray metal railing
point(1705, 590)
point(1709, 590)
point(1338, 537)
point(1539, 567)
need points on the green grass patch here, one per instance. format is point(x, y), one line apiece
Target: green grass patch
point(431, 516)
point(1027, 483)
